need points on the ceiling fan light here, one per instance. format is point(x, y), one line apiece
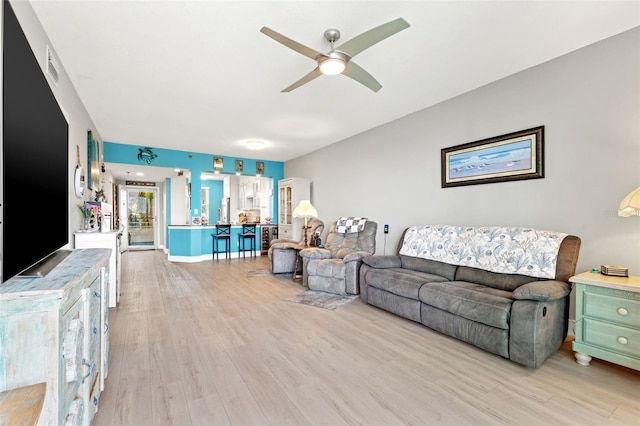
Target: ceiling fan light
point(332, 66)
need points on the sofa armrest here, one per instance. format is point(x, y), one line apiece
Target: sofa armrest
point(315, 253)
point(381, 262)
point(542, 290)
point(355, 256)
point(286, 244)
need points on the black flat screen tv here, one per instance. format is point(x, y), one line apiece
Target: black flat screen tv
point(34, 160)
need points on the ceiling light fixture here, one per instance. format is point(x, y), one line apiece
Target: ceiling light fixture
point(334, 63)
point(255, 144)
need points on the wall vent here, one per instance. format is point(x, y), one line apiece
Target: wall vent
point(52, 66)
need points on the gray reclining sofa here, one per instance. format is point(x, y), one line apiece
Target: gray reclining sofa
point(520, 312)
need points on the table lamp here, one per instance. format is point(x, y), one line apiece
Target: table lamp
point(306, 210)
point(630, 205)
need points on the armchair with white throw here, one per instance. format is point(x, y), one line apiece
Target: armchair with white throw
point(335, 268)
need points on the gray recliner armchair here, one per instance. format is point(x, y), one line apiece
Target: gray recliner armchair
point(335, 268)
point(282, 256)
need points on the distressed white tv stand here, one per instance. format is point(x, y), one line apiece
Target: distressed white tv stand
point(55, 330)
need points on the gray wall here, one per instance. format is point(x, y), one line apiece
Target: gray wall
point(589, 103)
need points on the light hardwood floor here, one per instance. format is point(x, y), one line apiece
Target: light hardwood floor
point(203, 344)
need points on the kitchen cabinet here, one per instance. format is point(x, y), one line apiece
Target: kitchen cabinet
point(290, 192)
point(55, 330)
point(204, 206)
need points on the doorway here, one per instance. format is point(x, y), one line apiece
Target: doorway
point(141, 222)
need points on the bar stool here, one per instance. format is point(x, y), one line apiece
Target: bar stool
point(248, 233)
point(223, 232)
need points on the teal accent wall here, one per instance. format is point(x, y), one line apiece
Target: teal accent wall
point(196, 163)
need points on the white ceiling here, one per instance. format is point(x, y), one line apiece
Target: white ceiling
point(200, 76)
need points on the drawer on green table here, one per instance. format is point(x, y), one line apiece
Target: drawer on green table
point(611, 336)
point(612, 308)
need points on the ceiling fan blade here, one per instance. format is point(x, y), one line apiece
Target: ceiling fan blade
point(373, 36)
point(300, 48)
point(307, 78)
point(358, 73)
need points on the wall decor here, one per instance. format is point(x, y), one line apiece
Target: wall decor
point(93, 163)
point(259, 167)
point(146, 154)
point(218, 164)
point(514, 156)
point(239, 166)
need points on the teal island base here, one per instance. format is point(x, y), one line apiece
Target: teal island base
point(194, 243)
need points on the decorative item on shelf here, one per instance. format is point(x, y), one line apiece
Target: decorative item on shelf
point(85, 216)
point(146, 154)
point(100, 197)
point(259, 168)
point(306, 210)
point(614, 270)
point(239, 167)
point(95, 215)
point(630, 205)
point(218, 164)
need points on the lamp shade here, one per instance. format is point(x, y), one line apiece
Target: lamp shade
point(630, 205)
point(305, 209)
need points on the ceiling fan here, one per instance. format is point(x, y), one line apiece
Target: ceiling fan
point(338, 60)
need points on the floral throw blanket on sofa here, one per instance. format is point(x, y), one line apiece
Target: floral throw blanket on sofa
point(509, 250)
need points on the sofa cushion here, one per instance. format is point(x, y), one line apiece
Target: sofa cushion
point(333, 268)
point(507, 282)
point(430, 266)
point(472, 301)
point(402, 282)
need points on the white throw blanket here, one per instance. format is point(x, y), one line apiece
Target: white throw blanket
point(350, 224)
point(506, 250)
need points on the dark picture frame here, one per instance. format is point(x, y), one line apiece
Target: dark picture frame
point(513, 156)
point(239, 166)
point(259, 167)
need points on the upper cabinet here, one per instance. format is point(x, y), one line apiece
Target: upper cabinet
point(290, 192)
point(204, 208)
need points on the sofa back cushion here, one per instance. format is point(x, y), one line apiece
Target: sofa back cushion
point(508, 250)
point(429, 266)
point(341, 244)
point(507, 282)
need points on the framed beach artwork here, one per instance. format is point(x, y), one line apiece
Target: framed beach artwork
point(514, 156)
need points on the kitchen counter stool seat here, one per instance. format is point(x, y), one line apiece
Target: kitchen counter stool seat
point(250, 234)
point(223, 233)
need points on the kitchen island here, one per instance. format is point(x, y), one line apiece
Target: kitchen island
point(193, 243)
